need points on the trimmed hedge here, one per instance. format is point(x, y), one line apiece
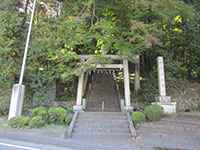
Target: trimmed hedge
point(19, 122)
point(138, 117)
point(57, 115)
point(40, 111)
point(36, 122)
point(41, 116)
point(153, 112)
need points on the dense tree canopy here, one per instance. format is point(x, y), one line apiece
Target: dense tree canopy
point(147, 27)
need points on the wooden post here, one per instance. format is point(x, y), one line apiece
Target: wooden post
point(78, 106)
point(137, 74)
point(127, 86)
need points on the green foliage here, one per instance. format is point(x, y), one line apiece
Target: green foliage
point(4, 101)
point(57, 115)
point(11, 35)
point(153, 112)
point(149, 89)
point(138, 117)
point(126, 28)
point(4, 106)
point(19, 122)
point(42, 116)
point(36, 122)
point(40, 111)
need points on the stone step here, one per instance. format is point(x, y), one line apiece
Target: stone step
point(106, 126)
point(101, 134)
point(104, 121)
point(102, 130)
point(106, 114)
point(100, 110)
point(101, 125)
point(103, 90)
point(99, 105)
point(100, 102)
point(103, 138)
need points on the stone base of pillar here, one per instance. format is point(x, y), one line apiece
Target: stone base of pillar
point(164, 99)
point(78, 108)
point(16, 102)
point(168, 108)
point(128, 108)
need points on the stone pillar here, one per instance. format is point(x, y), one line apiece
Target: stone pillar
point(127, 86)
point(16, 103)
point(137, 74)
point(164, 101)
point(161, 82)
point(78, 106)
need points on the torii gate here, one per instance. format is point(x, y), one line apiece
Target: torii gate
point(124, 65)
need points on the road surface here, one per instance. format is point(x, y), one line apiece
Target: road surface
point(7, 144)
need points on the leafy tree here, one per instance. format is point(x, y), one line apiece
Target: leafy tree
point(126, 28)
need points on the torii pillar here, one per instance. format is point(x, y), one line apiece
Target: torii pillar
point(78, 106)
point(127, 95)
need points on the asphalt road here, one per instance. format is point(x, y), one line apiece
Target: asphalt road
point(7, 144)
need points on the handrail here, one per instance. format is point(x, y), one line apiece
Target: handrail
point(131, 126)
point(68, 133)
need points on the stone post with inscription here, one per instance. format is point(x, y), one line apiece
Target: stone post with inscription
point(164, 100)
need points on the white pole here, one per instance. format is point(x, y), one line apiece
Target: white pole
point(27, 45)
point(19, 89)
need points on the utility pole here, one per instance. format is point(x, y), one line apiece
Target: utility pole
point(19, 89)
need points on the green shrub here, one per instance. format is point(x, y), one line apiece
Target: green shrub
point(19, 122)
point(153, 112)
point(4, 101)
point(4, 107)
point(40, 111)
point(57, 115)
point(138, 117)
point(36, 122)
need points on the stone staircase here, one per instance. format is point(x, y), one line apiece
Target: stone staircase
point(102, 122)
point(101, 126)
point(103, 95)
